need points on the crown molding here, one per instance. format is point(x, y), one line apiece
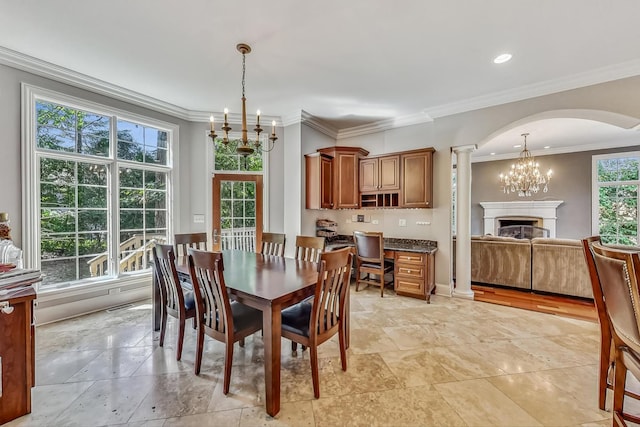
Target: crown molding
point(575, 81)
point(628, 142)
point(387, 124)
point(52, 71)
point(46, 69)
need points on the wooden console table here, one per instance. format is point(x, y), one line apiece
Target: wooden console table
point(17, 347)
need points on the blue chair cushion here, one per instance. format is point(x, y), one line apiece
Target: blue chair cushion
point(244, 316)
point(189, 301)
point(296, 318)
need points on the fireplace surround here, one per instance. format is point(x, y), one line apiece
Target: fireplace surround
point(542, 212)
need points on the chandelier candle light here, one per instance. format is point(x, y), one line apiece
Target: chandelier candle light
point(244, 148)
point(525, 177)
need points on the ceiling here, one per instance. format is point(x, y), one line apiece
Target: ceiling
point(346, 63)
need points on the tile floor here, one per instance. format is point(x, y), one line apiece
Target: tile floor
point(453, 362)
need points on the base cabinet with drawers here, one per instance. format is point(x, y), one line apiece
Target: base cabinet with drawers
point(414, 274)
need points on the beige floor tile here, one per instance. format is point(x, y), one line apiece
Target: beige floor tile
point(479, 403)
point(421, 406)
point(291, 414)
point(546, 401)
point(463, 362)
point(58, 367)
point(366, 341)
point(416, 368)
point(229, 418)
point(114, 363)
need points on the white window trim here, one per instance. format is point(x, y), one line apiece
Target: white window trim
point(30, 174)
point(595, 194)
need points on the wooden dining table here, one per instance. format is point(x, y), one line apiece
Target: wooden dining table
point(269, 284)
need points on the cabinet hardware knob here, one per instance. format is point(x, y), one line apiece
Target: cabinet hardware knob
point(5, 308)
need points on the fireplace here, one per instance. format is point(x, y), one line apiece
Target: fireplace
point(542, 212)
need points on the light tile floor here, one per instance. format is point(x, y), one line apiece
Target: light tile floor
point(453, 362)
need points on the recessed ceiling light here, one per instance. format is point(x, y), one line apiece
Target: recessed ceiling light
point(517, 146)
point(501, 59)
point(547, 146)
point(493, 154)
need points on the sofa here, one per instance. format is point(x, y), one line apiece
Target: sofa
point(541, 264)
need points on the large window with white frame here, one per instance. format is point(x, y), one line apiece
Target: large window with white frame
point(616, 181)
point(98, 188)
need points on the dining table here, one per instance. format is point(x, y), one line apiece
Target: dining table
point(269, 284)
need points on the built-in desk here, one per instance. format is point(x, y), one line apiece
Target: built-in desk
point(414, 264)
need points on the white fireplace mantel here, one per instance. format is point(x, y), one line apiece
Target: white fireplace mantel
point(530, 208)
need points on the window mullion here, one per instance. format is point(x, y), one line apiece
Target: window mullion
point(113, 203)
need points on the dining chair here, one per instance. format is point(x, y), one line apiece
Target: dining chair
point(273, 244)
point(309, 248)
point(218, 317)
point(370, 259)
point(176, 301)
point(185, 241)
point(311, 323)
point(607, 357)
point(617, 271)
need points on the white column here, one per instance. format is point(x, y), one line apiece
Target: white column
point(463, 221)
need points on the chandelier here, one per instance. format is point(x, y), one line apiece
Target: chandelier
point(525, 177)
point(244, 147)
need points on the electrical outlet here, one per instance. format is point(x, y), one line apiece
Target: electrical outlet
point(198, 218)
point(402, 223)
point(354, 218)
point(375, 221)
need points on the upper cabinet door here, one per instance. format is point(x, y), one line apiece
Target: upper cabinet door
point(417, 179)
point(345, 186)
point(319, 181)
point(368, 175)
point(389, 173)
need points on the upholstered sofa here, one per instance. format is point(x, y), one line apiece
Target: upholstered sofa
point(541, 264)
point(559, 267)
point(501, 261)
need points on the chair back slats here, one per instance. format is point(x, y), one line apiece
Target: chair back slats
point(309, 248)
point(617, 271)
point(273, 244)
point(369, 246)
point(212, 301)
point(167, 275)
point(334, 272)
point(189, 240)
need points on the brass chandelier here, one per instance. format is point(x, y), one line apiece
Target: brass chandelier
point(525, 177)
point(245, 147)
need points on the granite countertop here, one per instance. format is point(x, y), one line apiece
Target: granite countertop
point(390, 244)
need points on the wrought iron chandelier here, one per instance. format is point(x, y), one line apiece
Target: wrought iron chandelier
point(245, 147)
point(525, 177)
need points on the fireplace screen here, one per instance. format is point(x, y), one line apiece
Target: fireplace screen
point(523, 231)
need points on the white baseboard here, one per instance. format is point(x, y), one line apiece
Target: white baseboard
point(444, 290)
point(65, 308)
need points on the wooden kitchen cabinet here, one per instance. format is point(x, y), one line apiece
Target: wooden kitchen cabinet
point(319, 181)
point(380, 174)
point(17, 361)
point(345, 174)
point(417, 179)
point(414, 274)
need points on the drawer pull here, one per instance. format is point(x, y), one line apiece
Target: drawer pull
point(409, 271)
point(5, 308)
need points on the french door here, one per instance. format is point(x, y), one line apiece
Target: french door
point(237, 211)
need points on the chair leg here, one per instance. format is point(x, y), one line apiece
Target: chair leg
point(605, 363)
point(313, 352)
point(163, 327)
point(357, 279)
point(228, 359)
point(382, 284)
point(294, 348)
point(195, 323)
point(343, 347)
point(619, 383)
point(241, 342)
point(180, 338)
point(199, 350)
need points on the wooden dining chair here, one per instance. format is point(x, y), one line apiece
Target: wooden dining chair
point(618, 271)
point(185, 241)
point(176, 301)
point(273, 244)
point(309, 248)
point(218, 317)
point(370, 259)
point(311, 323)
point(607, 357)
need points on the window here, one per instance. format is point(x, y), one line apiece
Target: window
point(99, 196)
point(228, 160)
point(616, 179)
